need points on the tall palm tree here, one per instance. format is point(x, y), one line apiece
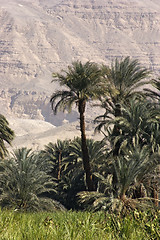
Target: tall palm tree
point(6, 135)
point(82, 82)
point(123, 80)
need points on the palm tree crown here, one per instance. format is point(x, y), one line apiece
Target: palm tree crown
point(83, 82)
point(124, 78)
point(57, 153)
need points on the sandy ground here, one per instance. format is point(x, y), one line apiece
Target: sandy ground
point(36, 133)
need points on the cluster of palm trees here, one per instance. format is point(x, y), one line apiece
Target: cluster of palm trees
point(130, 125)
point(119, 173)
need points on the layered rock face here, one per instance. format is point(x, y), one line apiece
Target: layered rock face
point(38, 37)
point(31, 105)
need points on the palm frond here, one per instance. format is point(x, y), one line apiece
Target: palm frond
point(6, 136)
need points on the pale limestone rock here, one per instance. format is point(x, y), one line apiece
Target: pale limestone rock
point(40, 37)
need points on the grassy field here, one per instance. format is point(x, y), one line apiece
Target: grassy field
point(78, 226)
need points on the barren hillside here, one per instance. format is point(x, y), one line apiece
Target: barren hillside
point(38, 37)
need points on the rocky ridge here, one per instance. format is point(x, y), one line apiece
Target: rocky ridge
point(38, 37)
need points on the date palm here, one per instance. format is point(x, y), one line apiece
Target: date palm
point(125, 77)
point(132, 167)
point(128, 172)
point(24, 179)
point(57, 153)
point(67, 169)
point(123, 80)
point(138, 124)
point(6, 135)
point(82, 83)
point(96, 150)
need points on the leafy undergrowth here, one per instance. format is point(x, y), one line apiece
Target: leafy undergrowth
point(78, 225)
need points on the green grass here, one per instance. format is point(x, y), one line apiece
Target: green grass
point(78, 225)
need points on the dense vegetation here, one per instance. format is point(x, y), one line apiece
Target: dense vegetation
point(118, 177)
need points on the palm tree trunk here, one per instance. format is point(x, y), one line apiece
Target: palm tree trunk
point(86, 162)
point(123, 194)
point(59, 165)
point(155, 194)
point(116, 130)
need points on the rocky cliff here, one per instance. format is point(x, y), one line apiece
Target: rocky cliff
point(38, 37)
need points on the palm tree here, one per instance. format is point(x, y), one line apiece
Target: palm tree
point(123, 80)
point(82, 82)
point(132, 167)
point(24, 179)
point(96, 150)
point(67, 169)
point(138, 125)
point(6, 135)
point(128, 172)
point(57, 153)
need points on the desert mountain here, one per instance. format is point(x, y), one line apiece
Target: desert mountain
point(38, 37)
